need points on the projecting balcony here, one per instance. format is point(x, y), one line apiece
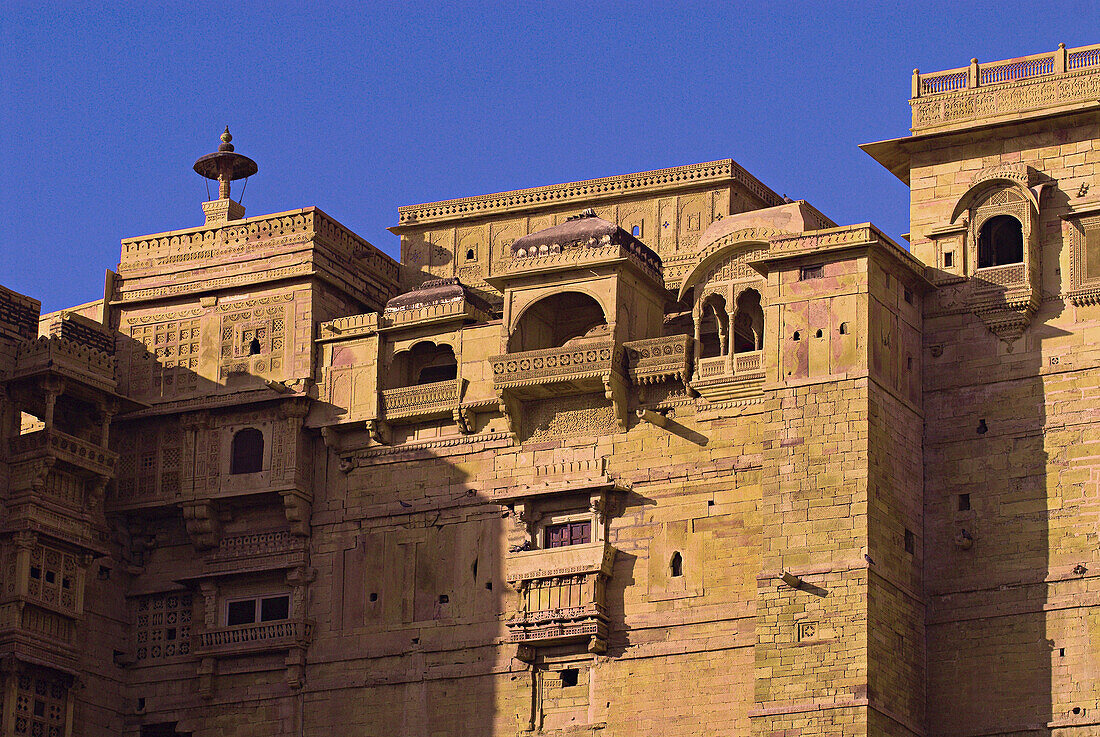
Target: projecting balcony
point(56, 445)
point(247, 639)
point(422, 401)
point(30, 631)
point(1000, 278)
point(733, 376)
point(561, 595)
point(659, 359)
point(570, 369)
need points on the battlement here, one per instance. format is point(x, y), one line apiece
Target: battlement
point(1005, 90)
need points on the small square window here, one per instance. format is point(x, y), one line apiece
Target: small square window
point(568, 533)
point(948, 259)
point(907, 295)
point(964, 502)
point(811, 272)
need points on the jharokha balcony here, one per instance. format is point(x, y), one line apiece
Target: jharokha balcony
point(549, 372)
point(729, 377)
point(246, 639)
point(422, 401)
point(561, 595)
point(57, 445)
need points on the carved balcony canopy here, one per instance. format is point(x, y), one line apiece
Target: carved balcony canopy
point(249, 639)
point(561, 595)
point(582, 241)
point(436, 300)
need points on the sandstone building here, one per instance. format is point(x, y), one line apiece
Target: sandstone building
point(662, 453)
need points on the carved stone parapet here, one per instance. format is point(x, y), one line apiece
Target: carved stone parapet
point(247, 639)
point(53, 445)
point(60, 356)
point(659, 359)
point(437, 399)
point(733, 376)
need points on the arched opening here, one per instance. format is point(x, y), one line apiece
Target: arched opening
point(254, 347)
point(424, 363)
point(247, 453)
point(558, 320)
point(748, 323)
point(714, 327)
point(676, 565)
point(1000, 242)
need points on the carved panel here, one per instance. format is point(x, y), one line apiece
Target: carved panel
point(170, 362)
point(1084, 273)
point(569, 416)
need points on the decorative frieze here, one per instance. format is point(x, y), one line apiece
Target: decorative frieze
point(659, 359)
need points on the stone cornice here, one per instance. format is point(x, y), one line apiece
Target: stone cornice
point(589, 190)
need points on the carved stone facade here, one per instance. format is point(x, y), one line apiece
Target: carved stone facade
point(659, 453)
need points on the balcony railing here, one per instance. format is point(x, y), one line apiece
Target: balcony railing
point(730, 377)
point(30, 620)
point(252, 638)
point(63, 447)
point(1036, 70)
point(561, 594)
point(423, 400)
point(658, 359)
point(568, 364)
point(1007, 276)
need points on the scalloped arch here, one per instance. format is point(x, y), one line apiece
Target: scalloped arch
point(995, 181)
point(720, 248)
point(572, 289)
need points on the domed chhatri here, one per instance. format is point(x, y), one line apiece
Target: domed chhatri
point(225, 165)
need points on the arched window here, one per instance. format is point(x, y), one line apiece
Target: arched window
point(714, 327)
point(558, 320)
point(748, 323)
point(1000, 242)
point(247, 454)
point(424, 363)
point(676, 565)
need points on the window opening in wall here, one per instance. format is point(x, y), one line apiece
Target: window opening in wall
point(470, 255)
point(247, 454)
point(676, 565)
point(964, 502)
point(714, 327)
point(907, 295)
point(797, 336)
point(910, 541)
point(909, 363)
point(568, 533)
point(948, 259)
point(843, 328)
point(819, 334)
point(258, 609)
point(811, 272)
point(254, 347)
point(569, 676)
point(636, 231)
point(1000, 242)
point(748, 322)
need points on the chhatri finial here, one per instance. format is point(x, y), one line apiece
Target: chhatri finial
point(225, 166)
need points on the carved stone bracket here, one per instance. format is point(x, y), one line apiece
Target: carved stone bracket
point(203, 526)
point(298, 508)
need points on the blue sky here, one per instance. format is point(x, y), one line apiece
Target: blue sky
point(358, 108)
